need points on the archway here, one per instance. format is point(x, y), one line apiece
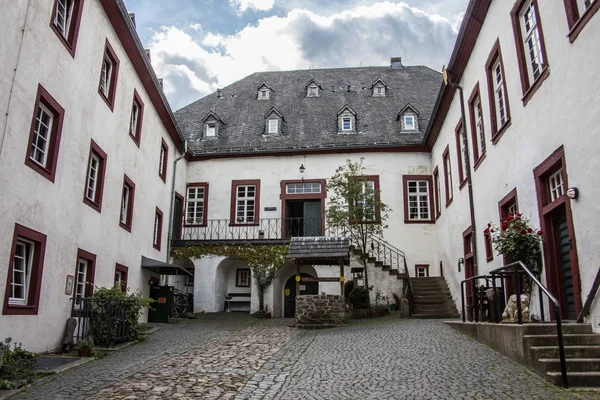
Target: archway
point(289, 307)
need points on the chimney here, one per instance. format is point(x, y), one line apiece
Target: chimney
point(132, 16)
point(219, 95)
point(396, 63)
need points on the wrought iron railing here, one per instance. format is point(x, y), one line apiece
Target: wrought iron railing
point(262, 229)
point(104, 320)
point(516, 270)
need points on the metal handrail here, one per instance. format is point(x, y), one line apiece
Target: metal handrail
point(514, 271)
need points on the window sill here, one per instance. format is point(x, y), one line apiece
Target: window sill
point(242, 224)
point(202, 225)
point(582, 21)
point(501, 131)
point(95, 206)
point(419, 221)
point(479, 161)
point(125, 226)
point(70, 47)
point(15, 309)
point(46, 173)
point(163, 177)
point(489, 259)
point(156, 247)
point(536, 85)
point(135, 139)
point(106, 100)
point(462, 184)
point(448, 202)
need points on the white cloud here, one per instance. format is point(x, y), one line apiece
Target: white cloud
point(364, 35)
point(259, 5)
point(196, 27)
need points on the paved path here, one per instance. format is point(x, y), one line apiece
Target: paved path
point(231, 356)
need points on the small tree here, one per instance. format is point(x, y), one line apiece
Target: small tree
point(355, 207)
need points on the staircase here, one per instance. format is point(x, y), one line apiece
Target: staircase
point(432, 299)
point(582, 353)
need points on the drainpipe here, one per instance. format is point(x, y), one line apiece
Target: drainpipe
point(170, 234)
point(12, 84)
point(467, 167)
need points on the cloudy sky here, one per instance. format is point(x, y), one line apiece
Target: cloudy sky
point(198, 46)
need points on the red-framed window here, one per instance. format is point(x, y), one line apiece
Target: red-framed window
point(461, 154)
point(158, 222)
point(508, 205)
point(497, 92)
point(245, 202)
point(421, 270)
point(163, 160)
point(65, 21)
point(530, 45)
point(24, 279)
point(196, 209)
point(94, 179)
point(44, 136)
point(447, 175)
point(242, 277)
point(418, 199)
point(437, 192)
point(109, 71)
point(579, 13)
point(477, 127)
point(121, 274)
point(127, 197)
point(368, 195)
point(136, 118)
point(85, 272)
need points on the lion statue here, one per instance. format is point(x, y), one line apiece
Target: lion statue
point(510, 313)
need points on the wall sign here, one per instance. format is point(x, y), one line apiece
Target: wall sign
point(270, 208)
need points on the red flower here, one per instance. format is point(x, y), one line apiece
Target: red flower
point(489, 224)
point(523, 232)
point(487, 230)
point(505, 226)
point(510, 218)
point(491, 230)
point(539, 233)
point(529, 230)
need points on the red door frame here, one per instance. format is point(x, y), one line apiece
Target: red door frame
point(547, 211)
point(284, 196)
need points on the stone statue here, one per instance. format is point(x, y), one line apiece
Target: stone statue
point(510, 313)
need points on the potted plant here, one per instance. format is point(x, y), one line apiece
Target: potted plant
point(85, 347)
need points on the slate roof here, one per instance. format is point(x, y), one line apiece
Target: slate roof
point(312, 121)
point(320, 248)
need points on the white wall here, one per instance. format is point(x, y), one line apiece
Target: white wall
point(56, 209)
point(564, 111)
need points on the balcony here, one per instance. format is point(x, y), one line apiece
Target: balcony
point(267, 230)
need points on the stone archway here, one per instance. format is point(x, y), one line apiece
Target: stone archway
point(289, 304)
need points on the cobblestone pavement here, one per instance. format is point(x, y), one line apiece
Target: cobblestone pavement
point(231, 356)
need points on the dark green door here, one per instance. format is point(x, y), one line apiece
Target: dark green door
point(564, 262)
point(289, 304)
point(162, 308)
point(312, 218)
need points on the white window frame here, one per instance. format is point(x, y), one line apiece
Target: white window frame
point(379, 90)
point(479, 127)
point(416, 197)
point(583, 5)
point(556, 185)
point(106, 75)
point(512, 209)
point(245, 206)
point(499, 93)
point(125, 203)
point(135, 113)
point(42, 136)
point(211, 129)
point(344, 120)
point(63, 17)
point(195, 205)
point(157, 219)
point(263, 94)
point(81, 278)
point(463, 153)
point(438, 189)
point(421, 272)
point(532, 45)
point(92, 177)
point(273, 125)
point(412, 125)
point(26, 260)
point(161, 162)
point(302, 188)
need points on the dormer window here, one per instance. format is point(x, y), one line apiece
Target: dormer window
point(313, 88)
point(379, 91)
point(379, 88)
point(211, 129)
point(410, 123)
point(264, 91)
point(346, 120)
point(408, 118)
point(273, 125)
point(313, 91)
point(273, 121)
point(263, 94)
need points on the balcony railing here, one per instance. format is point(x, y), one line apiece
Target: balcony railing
point(262, 229)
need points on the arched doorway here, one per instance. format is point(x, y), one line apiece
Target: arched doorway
point(289, 306)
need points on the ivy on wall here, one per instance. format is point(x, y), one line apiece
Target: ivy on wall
point(263, 260)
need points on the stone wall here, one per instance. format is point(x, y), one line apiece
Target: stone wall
point(319, 311)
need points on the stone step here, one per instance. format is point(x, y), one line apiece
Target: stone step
point(577, 379)
point(429, 279)
point(385, 267)
point(432, 300)
point(435, 316)
point(573, 364)
point(568, 340)
point(570, 352)
point(550, 328)
point(394, 272)
point(439, 310)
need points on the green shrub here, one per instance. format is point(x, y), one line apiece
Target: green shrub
point(359, 297)
point(16, 365)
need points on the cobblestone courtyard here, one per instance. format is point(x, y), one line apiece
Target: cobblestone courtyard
point(233, 356)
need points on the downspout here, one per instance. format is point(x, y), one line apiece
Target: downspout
point(12, 84)
point(172, 208)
